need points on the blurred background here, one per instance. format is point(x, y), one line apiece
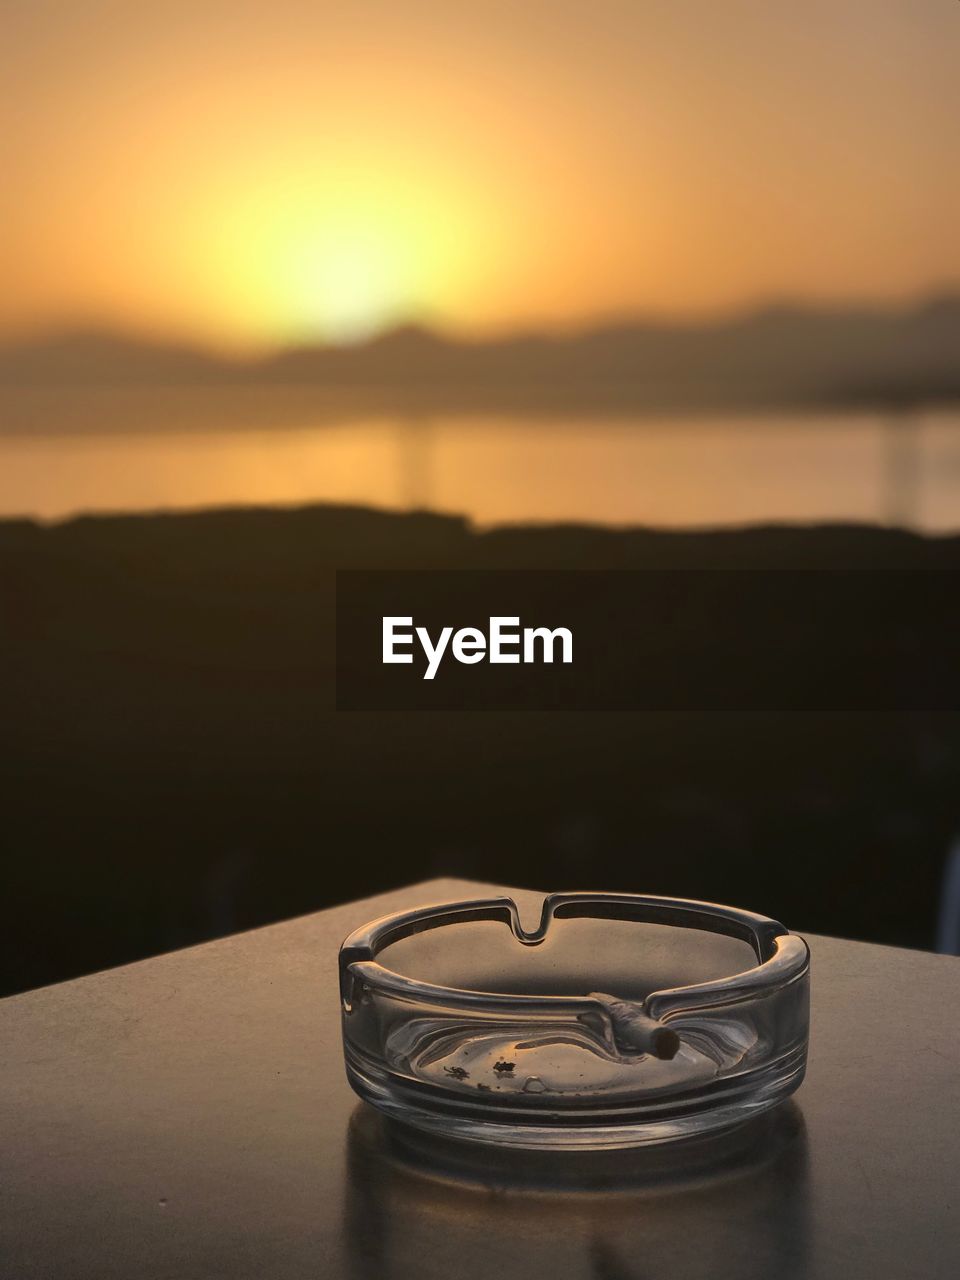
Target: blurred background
point(296, 287)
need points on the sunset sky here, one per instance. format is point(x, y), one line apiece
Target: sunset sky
point(251, 174)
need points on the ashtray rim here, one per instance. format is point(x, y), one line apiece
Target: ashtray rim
point(782, 956)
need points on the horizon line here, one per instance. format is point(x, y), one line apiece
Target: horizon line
point(47, 333)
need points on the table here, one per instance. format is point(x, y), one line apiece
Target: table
point(188, 1116)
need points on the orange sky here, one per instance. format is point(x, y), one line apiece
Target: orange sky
point(258, 173)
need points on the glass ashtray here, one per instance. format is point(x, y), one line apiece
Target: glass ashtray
point(620, 1020)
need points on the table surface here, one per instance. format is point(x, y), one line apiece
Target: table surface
point(188, 1116)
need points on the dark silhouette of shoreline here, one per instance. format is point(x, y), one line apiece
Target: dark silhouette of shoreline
point(174, 767)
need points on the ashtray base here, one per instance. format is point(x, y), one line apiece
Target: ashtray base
point(696, 1117)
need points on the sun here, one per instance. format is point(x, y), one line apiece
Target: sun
point(280, 258)
point(348, 282)
point(303, 271)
